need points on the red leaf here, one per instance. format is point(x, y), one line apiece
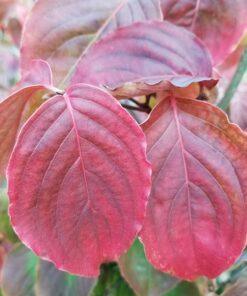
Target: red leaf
point(220, 24)
point(39, 73)
point(79, 180)
point(14, 111)
point(69, 26)
point(147, 53)
point(196, 216)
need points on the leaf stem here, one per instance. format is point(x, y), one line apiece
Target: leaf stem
point(241, 69)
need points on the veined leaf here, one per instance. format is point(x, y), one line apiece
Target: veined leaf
point(196, 216)
point(67, 27)
point(79, 176)
point(136, 59)
point(220, 24)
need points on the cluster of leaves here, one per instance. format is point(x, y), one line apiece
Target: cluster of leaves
point(85, 178)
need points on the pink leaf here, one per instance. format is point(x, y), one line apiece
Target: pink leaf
point(79, 180)
point(220, 24)
point(14, 111)
point(146, 54)
point(68, 27)
point(38, 72)
point(196, 216)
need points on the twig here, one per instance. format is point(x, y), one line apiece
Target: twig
point(242, 67)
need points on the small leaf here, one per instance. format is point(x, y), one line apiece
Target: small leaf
point(14, 111)
point(141, 276)
point(196, 216)
point(145, 54)
point(110, 283)
point(70, 26)
point(79, 176)
point(52, 282)
point(184, 289)
point(220, 24)
point(19, 272)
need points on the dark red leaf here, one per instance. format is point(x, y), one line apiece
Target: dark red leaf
point(65, 28)
point(79, 180)
point(196, 216)
point(145, 54)
point(220, 24)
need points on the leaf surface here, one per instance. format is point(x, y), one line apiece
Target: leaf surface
point(145, 54)
point(53, 282)
point(14, 111)
point(79, 176)
point(220, 24)
point(140, 274)
point(70, 26)
point(111, 283)
point(196, 215)
point(18, 274)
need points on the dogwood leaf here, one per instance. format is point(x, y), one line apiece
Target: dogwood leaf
point(220, 24)
point(196, 216)
point(68, 27)
point(14, 111)
point(79, 180)
point(134, 59)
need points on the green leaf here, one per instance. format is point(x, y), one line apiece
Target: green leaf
point(184, 289)
point(141, 276)
point(5, 225)
point(110, 283)
point(52, 282)
point(19, 272)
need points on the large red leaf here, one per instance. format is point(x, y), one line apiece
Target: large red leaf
point(196, 216)
point(147, 54)
point(65, 28)
point(220, 24)
point(79, 180)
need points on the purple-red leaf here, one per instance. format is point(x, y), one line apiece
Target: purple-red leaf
point(79, 180)
point(220, 24)
point(14, 111)
point(196, 215)
point(146, 54)
point(64, 28)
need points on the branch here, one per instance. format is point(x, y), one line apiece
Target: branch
point(242, 67)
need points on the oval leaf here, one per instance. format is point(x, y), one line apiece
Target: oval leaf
point(220, 24)
point(141, 276)
point(196, 216)
point(146, 54)
point(79, 176)
point(73, 25)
